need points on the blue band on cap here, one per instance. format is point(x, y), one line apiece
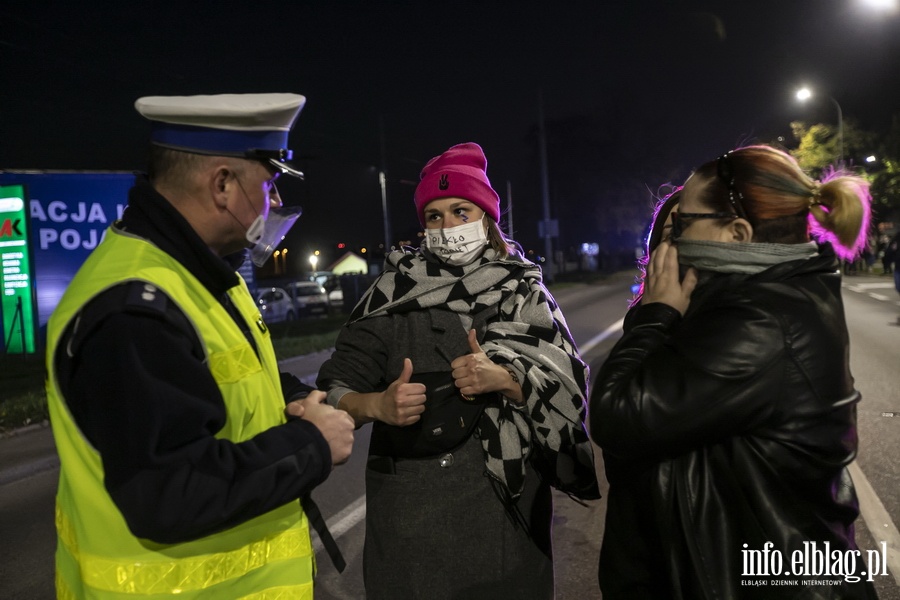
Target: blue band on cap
point(217, 141)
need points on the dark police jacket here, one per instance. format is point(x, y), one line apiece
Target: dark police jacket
point(168, 473)
point(729, 431)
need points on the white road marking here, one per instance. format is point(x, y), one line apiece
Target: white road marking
point(342, 522)
point(614, 328)
point(877, 519)
point(862, 287)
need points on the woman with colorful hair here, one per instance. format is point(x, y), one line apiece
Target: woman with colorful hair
point(727, 411)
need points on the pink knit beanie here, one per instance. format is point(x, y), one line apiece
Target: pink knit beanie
point(460, 172)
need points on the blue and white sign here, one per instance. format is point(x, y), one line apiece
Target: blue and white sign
point(70, 213)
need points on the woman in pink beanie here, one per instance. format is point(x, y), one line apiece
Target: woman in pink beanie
point(463, 362)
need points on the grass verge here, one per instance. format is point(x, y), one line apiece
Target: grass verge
point(24, 400)
point(297, 338)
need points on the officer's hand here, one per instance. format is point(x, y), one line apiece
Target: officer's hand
point(335, 425)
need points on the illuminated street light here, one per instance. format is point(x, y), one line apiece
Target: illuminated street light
point(282, 254)
point(804, 94)
point(881, 5)
point(314, 260)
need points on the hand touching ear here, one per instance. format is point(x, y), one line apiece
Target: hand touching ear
point(663, 283)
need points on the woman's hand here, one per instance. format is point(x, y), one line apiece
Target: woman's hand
point(297, 408)
point(475, 373)
point(663, 283)
point(402, 403)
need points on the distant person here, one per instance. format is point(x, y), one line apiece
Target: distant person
point(464, 363)
point(727, 412)
point(892, 252)
point(869, 253)
point(884, 241)
point(180, 472)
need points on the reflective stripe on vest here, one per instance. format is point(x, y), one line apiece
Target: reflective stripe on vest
point(185, 575)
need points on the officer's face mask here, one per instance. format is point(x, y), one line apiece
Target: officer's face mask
point(266, 232)
point(458, 245)
point(272, 232)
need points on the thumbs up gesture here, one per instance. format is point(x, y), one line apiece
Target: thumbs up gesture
point(402, 403)
point(475, 373)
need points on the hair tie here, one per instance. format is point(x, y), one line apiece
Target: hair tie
point(815, 197)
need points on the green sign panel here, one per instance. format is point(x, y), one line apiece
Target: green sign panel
point(16, 301)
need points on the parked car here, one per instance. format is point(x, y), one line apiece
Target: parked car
point(336, 297)
point(332, 285)
point(309, 298)
point(275, 305)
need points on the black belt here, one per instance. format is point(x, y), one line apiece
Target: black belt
point(314, 515)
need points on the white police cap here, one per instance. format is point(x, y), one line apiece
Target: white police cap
point(253, 126)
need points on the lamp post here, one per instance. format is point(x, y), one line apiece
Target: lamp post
point(804, 94)
point(382, 182)
point(314, 260)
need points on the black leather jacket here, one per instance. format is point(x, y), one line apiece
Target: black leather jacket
point(727, 429)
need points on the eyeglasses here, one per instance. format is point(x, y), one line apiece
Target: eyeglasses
point(725, 171)
point(679, 218)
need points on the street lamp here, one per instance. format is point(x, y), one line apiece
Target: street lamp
point(282, 254)
point(314, 260)
point(804, 94)
point(881, 5)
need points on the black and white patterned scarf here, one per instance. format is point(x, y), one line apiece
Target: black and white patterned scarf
point(531, 336)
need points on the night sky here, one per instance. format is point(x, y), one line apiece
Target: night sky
point(635, 93)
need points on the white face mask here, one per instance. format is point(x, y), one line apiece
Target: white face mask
point(458, 245)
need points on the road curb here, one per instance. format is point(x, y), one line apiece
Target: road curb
point(25, 453)
point(28, 469)
point(23, 430)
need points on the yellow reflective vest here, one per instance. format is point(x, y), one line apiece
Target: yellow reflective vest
point(97, 556)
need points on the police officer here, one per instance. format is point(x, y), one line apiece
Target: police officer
point(181, 466)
